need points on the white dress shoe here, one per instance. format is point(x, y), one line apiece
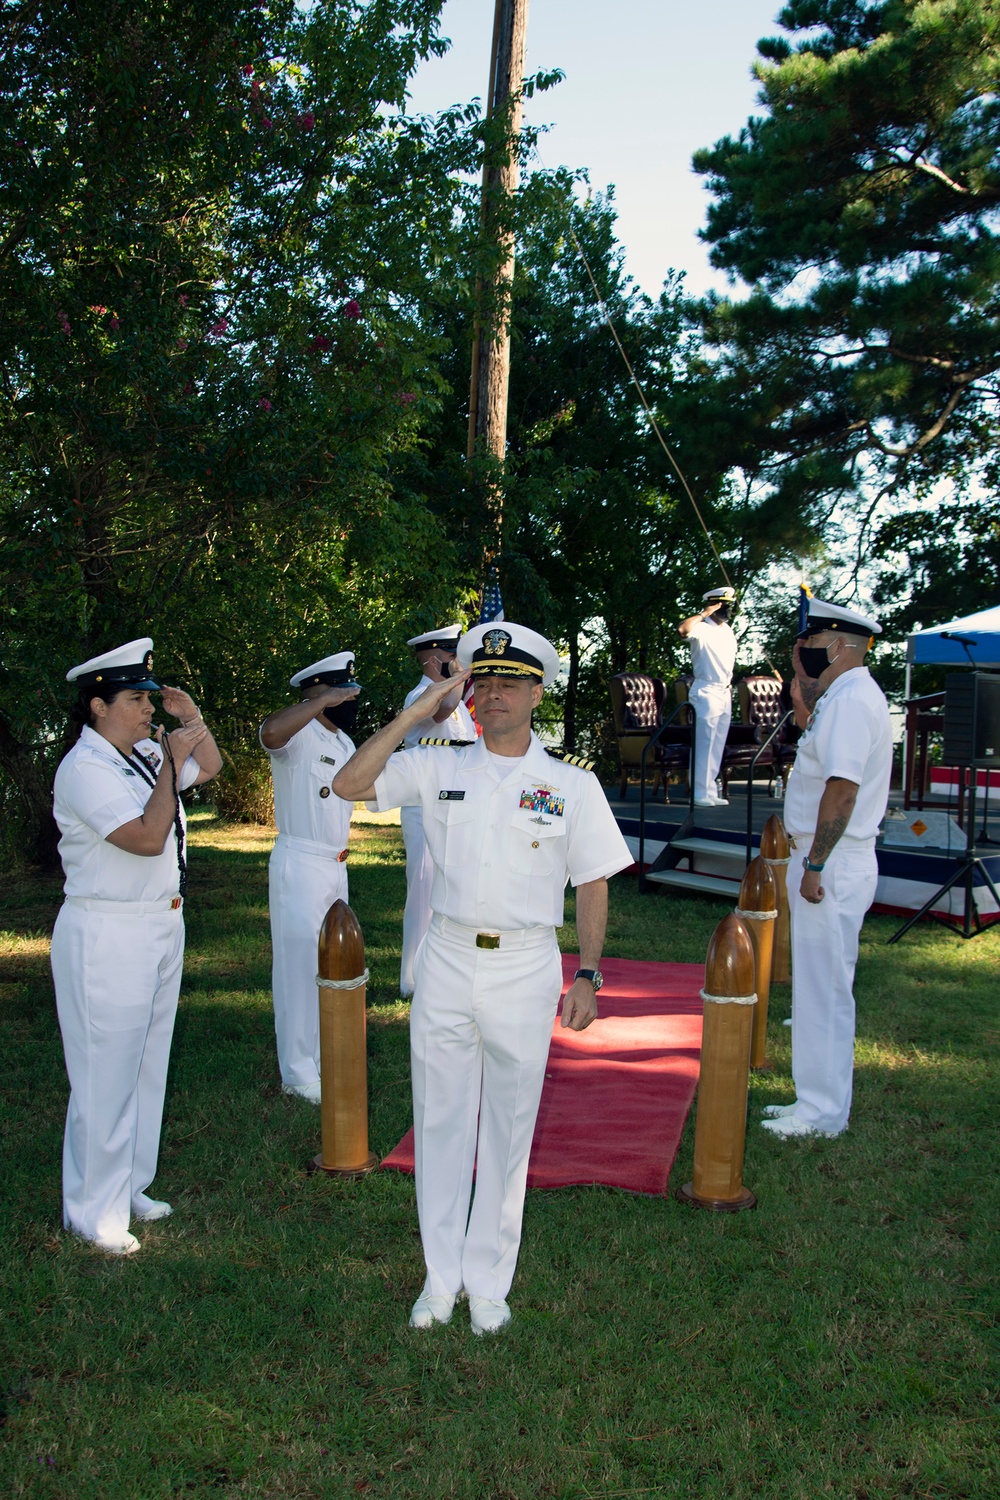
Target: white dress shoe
point(428, 1310)
point(147, 1209)
point(778, 1111)
point(790, 1125)
point(127, 1246)
point(487, 1316)
point(722, 801)
point(308, 1091)
point(705, 802)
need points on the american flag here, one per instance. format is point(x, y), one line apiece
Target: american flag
point(491, 604)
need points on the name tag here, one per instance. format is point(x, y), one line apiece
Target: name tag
point(328, 760)
point(451, 796)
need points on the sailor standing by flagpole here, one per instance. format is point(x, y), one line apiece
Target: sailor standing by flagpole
point(713, 656)
point(435, 651)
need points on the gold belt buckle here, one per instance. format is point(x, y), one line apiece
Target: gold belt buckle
point(175, 903)
point(342, 857)
point(487, 939)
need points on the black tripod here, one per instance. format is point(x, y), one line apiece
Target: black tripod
point(965, 876)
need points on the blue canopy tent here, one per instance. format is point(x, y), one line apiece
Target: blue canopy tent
point(931, 646)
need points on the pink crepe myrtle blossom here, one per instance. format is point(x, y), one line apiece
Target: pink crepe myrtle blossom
point(114, 323)
point(263, 404)
point(407, 396)
point(351, 309)
point(307, 119)
point(183, 299)
point(266, 122)
point(218, 327)
point(247, 70)
point(64, 322)
point(319, 343)
point(98, 309)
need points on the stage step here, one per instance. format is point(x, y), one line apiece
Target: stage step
point(715, 847)
point(690, 880)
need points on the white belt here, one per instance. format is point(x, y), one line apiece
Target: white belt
point(310, 846)
point(473, 937)
point(127, 908)
point(845, 842)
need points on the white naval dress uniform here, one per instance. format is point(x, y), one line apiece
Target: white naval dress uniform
point(503, 842)
point(850, 736)
point(117, 951)
point(306, 875)
point(713, 657)
point(419, 865)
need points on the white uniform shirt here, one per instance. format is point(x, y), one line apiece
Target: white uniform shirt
point(850, 735)
point(504, 846)
point(458, 726)
point(713, 653)
point(305, 806)
point(97, 792)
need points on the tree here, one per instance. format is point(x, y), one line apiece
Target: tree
point(216, 230)
point(863, 210)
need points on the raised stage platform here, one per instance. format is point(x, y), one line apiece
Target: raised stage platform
point(703, 851)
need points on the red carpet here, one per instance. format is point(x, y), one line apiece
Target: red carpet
point(616, 1095)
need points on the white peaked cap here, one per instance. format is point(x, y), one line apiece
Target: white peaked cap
point(504, 649)
point(823, 616)
point(335, 671)
point(445, 636)
point(128, 664)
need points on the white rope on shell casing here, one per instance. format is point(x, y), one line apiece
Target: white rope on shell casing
point(756, 916)
point(342, 984)
point(729, 999)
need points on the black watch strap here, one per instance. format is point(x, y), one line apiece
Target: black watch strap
point(594, 975)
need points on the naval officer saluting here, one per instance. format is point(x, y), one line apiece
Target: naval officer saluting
point(507, 823)
point(118, 941)
point(837, 794)
point(307, 743)
point(435, 652)
point(713, 657)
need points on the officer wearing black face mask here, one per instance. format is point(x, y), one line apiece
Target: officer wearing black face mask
point(307, 742)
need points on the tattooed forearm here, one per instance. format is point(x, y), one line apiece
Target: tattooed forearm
point(835, 809)
point(810, 692)
point(827, 834)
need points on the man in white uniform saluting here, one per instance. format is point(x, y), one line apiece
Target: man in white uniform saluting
point(307, 743)
point(435, 652)
point(836, 798)
point(713, 657)
point(507, 823)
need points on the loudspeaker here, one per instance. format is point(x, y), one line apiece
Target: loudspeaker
point(972, 719)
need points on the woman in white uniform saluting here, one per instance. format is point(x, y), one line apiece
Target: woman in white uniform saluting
point(118, 942)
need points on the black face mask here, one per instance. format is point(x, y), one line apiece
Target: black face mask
point(722, 613)
point(813, 660)
point(343, 715)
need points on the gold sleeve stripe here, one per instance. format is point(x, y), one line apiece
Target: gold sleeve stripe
point(455, 744)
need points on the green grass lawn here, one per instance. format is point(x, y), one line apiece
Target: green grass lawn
point(840, 1341)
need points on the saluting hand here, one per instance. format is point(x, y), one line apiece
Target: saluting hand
point(432, 697)
point(179, 704)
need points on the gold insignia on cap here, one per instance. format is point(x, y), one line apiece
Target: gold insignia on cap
point(495, 642)
point(147, 661)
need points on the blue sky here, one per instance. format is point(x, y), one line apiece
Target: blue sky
point(647, 83)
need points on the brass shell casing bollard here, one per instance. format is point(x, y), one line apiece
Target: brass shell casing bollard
point(721, 1126)
point(757, 912)
point(342, 981)
point(776, 850)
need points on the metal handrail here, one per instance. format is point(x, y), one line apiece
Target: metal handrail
point(654, 739)
point(750, 770)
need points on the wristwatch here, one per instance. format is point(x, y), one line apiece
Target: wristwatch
point(807, 864)
point(594, 975)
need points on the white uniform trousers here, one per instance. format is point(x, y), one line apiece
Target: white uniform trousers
point(419, 879)
point(117, 978)
point(824, 958)
point(480, 1027)
point(301, 889)
point(713, 704)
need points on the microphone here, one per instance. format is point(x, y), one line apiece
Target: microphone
point(963, 640)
